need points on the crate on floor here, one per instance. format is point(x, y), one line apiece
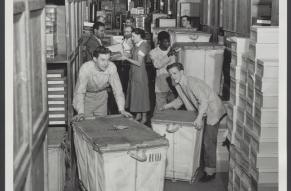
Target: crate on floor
point(102, 143)
point(56, 159)
point(183, 157)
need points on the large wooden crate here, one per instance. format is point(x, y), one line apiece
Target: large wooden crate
point(207, 65)
point(183, 157)
point(111, 159)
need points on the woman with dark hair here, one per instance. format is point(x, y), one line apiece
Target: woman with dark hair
point(137, 99)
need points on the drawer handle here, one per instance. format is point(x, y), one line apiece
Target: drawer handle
point(173, 128)
point(135, 156)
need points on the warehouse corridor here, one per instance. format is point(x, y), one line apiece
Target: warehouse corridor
point(126, 95)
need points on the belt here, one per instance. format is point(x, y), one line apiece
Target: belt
point(97, 91)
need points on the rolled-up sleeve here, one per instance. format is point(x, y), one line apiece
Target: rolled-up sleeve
point(176, 103)
point(115, 83)
point(80, 90)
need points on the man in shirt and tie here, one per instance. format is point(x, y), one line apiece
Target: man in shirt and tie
point(197, 95)
point(90, 95)
point(90, 43)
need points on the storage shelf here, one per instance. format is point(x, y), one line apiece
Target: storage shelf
point(61, 58)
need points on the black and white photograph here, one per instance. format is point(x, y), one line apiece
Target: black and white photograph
point(145, 95)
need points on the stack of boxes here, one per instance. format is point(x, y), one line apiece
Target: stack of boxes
point(51, 31)
point(57, 97)
point(254, 159)
point(235, 109)
point(88, 28)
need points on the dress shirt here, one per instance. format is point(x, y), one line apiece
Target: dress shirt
point(195, 93)
point(91, 79)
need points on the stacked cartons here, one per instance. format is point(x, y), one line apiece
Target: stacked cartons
point(51, 31)
point(57, 97)
point(88, 28)
point(258, 147)
point(235, 110)
point(263, 123)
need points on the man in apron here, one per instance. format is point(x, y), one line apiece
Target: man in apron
point(95, 76)
point(197, 95)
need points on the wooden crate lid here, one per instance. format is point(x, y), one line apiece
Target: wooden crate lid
point(175, 116)
point(103, 134)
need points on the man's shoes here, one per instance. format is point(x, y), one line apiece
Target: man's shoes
point(206, 177)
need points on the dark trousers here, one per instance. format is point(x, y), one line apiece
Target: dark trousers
point(209, 147)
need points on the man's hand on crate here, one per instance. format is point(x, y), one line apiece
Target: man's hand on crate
point(78, 117)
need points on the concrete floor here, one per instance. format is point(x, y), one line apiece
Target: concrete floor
point(218, 184)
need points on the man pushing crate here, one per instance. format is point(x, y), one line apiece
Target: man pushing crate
point(195, 94)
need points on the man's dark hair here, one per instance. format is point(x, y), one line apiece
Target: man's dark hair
point(163, 35)
point(140, 32)
point(101, 50)
point(187, 17)
point(178, 65)
point(97, 25)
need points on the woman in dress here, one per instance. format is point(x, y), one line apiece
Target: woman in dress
point(137, 99)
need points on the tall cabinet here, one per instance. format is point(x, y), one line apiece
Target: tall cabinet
point(30, 96)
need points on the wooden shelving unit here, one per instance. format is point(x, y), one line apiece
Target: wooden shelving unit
point(70, 18)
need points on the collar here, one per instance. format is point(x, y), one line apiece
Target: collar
point(139, 43)
point(97, 68)
point(183, 80)
point(98, 39)
point(164, 50)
